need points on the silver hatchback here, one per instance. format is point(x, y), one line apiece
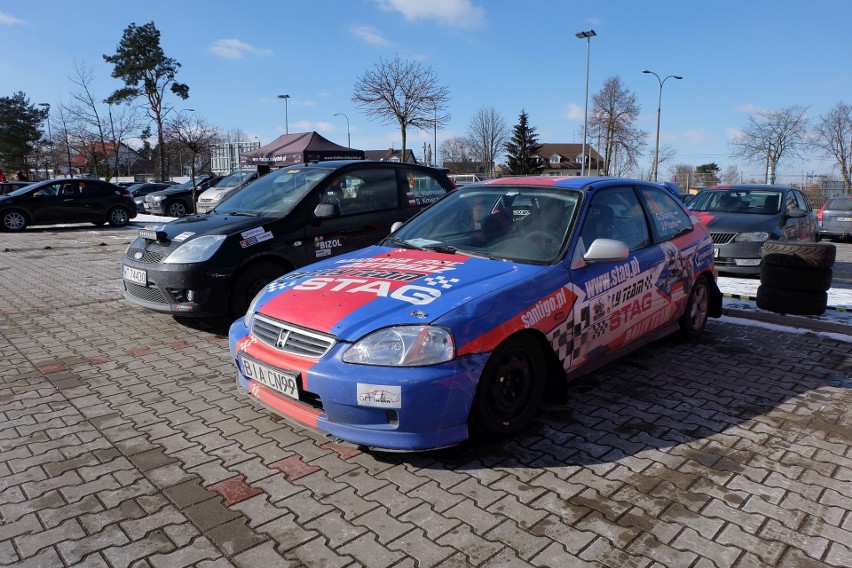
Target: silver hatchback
point(834, 218)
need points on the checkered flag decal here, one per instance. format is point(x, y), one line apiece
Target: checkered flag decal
point(440, 281)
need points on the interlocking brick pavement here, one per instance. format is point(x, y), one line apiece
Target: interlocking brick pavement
point(124, 442)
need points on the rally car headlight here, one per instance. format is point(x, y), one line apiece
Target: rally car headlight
point(403, 346)
point(752, 237)
point(196, 250)
point(252, 307)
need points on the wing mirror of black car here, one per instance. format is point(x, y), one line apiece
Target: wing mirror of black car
point(606, 250)
point(796, 212)
point(325, 210)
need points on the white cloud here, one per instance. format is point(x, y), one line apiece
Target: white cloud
point(698, 136)
point(574, 112)
point(9, 20)
point(733, 133)
point(236, 49)
point(452, 13)
point(369, 35)
point(750, 108)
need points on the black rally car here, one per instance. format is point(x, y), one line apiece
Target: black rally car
point(214, 264)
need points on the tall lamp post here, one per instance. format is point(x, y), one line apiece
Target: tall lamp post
point(659, 105)
point(49, 136)
point(286, 118)
point(348, 137)
point(587, 35)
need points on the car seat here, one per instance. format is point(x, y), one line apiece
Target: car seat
point(770, 204)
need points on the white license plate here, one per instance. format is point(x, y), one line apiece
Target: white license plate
point(282, 381)
point(135, 275)
point(844, 219)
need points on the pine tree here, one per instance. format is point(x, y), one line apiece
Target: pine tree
point(523, 149)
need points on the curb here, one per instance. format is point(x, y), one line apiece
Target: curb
point(788, 320)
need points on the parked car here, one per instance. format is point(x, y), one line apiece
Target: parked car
point(213, 264)
point(741, 218)
point(464, 317)
point(176, 201)
point(230, 184)
point(7, 187)
point(834, 218)
point(141, 190)
point(69, 200)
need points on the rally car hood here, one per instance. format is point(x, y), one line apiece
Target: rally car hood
point(738, 222)
point(379, 287)
point(182, 230)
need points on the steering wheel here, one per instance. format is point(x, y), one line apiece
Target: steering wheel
point(543, 240)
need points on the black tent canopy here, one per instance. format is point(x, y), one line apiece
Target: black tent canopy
point(298, 148)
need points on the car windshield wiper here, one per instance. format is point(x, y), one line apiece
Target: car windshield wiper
point(242, 214)
point(394, 241)
point(446, 249)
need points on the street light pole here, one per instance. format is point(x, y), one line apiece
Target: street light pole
point(587, 35)
point(659, 106)
point(49, 136)
point(435, 135)
point(286, 118)
point(348, 137)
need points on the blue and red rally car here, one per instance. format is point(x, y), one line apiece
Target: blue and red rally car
point(463, 318)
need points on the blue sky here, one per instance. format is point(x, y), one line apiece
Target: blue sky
point(735, 56)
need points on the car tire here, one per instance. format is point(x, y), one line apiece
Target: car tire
point(801, 278)
point(695, 315)
point(510, 389)
point(14, 220)
point(175, 209)
point(118, 217)
point(249, 283)
point(799, 254)
point(793, 302)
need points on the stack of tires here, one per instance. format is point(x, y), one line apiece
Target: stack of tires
point(794, 277)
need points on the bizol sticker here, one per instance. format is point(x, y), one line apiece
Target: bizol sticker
point(381, 396)
point(323, 246)
point(183, 236)
point(253, 240)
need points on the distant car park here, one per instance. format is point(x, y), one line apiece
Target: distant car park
point(177, 200)
point(7, 187)
point(741, 218)
point(228, 185)
point(140, 190)
point(68, 200)
point(834, 218)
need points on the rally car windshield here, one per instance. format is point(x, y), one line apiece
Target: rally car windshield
point(513, 223)
point(274, 194)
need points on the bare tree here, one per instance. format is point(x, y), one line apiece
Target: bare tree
point(770, 136)
point(101, 135)
point(731, 175)
point(614, 113)
point(192, 133)
point(459, 155)
point(833, 135)
point(666, 154)
point(487, 134)
point(684, 175)
point(404, 92)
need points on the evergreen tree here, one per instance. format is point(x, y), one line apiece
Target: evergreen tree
point(19, 130)
point(146, 71)
point(523, 149)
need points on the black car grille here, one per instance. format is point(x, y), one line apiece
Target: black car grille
point(148, 294)
point(722, 238)
point(148, 256)
point(291, 339)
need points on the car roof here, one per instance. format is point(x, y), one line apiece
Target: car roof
point(564, 182)
point(341, 163)
point(750, 186)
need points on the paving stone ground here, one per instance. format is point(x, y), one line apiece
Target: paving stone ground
point(124, 442)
